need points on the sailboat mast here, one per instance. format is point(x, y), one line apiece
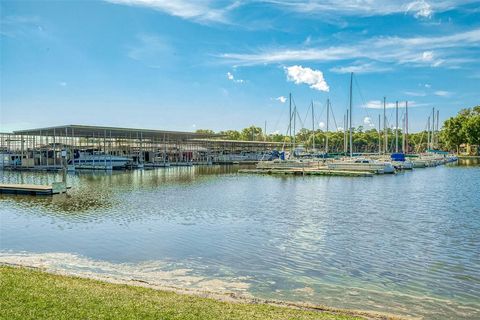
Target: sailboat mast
point(326, 134)
point(350, 124)
point(345, 121)
point(406, 126)
point(433, 129)
point(290, 116)
point(294, 125)
point(379, 136)
point(265, 132)
point(438, 116)
point(403, 134)
point(396, 126)
point(385, 125)
point(313, 126)
point(428, 133)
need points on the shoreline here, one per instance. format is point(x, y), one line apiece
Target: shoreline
point(221, 297)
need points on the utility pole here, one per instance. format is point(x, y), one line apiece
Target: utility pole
point(396, 126)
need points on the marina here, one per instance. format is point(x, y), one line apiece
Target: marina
point(112, 148)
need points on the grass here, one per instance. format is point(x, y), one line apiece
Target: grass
point(33, 294)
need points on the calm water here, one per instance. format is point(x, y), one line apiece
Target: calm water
point(407, 244)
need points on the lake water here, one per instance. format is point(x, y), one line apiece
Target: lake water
point(407, 244)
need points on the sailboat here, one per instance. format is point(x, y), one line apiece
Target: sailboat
point(355, 163)
point(291, 160)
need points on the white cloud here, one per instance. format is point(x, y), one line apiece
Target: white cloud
point(282, 99)
point(152, 50)
point(415, 93)
point(14, 26)
point(206, 11)
point(62, 83)
point(368, 122)
point(199, 11)
point(443, 50)
point(231, 77)
point(421, 9)
point(340, 129)
point(427, 56)
point(361, 68)
point(377, 104)
point(321, 125)
point(314, 78)
point(442, 93)
point(417, 8)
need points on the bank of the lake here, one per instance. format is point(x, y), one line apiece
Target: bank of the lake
point(33, 294)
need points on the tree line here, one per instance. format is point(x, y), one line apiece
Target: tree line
point(463, 128)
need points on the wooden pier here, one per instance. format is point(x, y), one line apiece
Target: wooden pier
point(33, 189)
point(309, 172)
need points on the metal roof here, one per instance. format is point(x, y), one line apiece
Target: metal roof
point(242, 142)
point(113, 132)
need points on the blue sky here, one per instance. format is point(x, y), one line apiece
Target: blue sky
point(185, 65)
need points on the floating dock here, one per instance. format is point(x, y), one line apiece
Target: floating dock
point(33, 189)
point(309, 172)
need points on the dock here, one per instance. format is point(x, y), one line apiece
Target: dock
point(33, 189)
point(309, 172)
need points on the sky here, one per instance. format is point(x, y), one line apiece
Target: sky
point(188, 65)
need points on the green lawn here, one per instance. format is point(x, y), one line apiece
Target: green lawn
point(32, 294)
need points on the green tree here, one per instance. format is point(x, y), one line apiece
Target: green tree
point(231, 134)
point(205, 131)
point(471, 129)
point(252, 133)
point(453, 133)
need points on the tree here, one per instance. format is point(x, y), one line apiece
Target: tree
point(231, 134)
point(453, 133)
point(252, 133)
point(471, 129)
point(205, 131)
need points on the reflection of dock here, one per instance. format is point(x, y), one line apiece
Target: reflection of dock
point(312, 172)
point(33, 189)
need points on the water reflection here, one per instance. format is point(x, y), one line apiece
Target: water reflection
point(404, 244)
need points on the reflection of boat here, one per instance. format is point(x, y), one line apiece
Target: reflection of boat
point(362, 164)
point(97, 160)
point(8, 159)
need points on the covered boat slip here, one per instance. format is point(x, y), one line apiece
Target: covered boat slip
point(102, 147)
